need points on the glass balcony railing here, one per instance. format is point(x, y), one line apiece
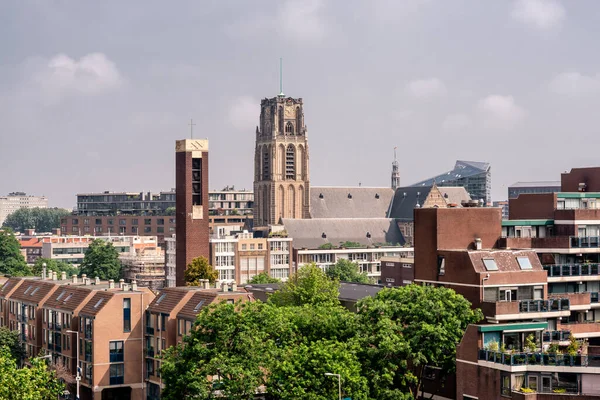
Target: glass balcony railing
point(543, 359)
point(551, 336)
point(149, 330)
point(116, 357)
point(572, 270)
point(585, 241)
point(551, 305)
point(116, 380)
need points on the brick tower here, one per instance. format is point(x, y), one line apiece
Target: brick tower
point(191, 187)
point(281, 176)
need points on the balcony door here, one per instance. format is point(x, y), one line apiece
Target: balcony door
point(546, 384)
point(532, 382)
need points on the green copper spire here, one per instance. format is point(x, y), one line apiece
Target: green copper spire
point(281, 77)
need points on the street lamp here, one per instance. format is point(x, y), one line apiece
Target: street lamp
point(339, 382)
point(78, 377)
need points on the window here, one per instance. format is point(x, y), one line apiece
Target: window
point(244, 246)
point(252, 246)
point(290, 162)
point(260, 246)
point(134, 229)
point(134, 221)
point(160, 221)
point(122, 222)
point(98, 221)
point(150, 367)
point(147, 229)
point(117, 372)
point(524, 262)
point(126, 315)
point(148, 221)
point(490, 264)
point(163, 322)
point(111, 221)
point(160, 229)
point(505, 380)
point(289, 128)
point(116, 351)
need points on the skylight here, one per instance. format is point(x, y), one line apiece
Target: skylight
point(28, 289)
point(524, 263)
point(98, 303)
point(490, 264)
point(6, 285)
point(198, 305)
point(68, 297)
point(161, 298)
point(61, 295)
point(34, 291)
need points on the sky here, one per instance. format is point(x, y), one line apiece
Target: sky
point(94, 94)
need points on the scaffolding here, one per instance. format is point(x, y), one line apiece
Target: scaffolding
point(147, 270)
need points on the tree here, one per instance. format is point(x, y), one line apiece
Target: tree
point(40, 219)
point(346, 271)
point(263, 278)
point(408, 328)
point(12, 261)
point(309, 286)
point(34, 383)
point(101, 260)
point(12, 341)
point(53, 265)
point(170, 211)
point(198, 269)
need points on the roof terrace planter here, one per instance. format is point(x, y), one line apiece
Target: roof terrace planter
point(538, 359)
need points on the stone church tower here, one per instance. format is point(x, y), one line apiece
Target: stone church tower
point(281, 177)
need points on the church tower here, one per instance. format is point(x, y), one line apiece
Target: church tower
point(395, 173)
point(281, 177)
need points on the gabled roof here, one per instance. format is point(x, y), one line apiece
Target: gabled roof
point(196, 303)
point(9, 286)
point(96, 303)
point(406, 200)
point(462, 169)
point(454, 194)
point(167, 300)
point(312, 233)
point(32, 291)
point(67, 297)
point(505, 260)
point(349, 202)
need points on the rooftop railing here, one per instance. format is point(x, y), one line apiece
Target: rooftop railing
point(585, 241)
point(539, 358)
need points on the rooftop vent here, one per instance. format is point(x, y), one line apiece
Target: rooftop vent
point(369, 235)
point(349, 195)
point(446, 195)
point(323, 235)
point(376, 195)
point(321, 195)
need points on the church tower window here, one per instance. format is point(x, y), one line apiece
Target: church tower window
point(290, 163)
point(289, 128)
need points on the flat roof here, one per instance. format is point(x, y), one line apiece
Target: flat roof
point(535, 184)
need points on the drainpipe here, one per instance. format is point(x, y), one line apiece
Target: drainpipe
point(482, 286)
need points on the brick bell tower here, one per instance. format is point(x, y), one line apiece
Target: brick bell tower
point(281, 175)
point(191, 200)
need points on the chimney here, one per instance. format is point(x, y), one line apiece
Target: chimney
point(111, 283)
point(125, 287)
point(234, 287)
point(54, 276)
point(206, 284)
point(97, 280)
point(477, 244)
point(121, 283)
point(83, 276)
point(86, 281)
point(44, 273)
point(74, 277)
point(225, 287)
point(134, 285)
point(63, 275)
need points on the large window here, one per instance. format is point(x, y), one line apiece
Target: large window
point(117, 373)
point(116, 351)
point(126, 315)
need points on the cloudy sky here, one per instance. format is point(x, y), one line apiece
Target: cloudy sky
point(94, 94)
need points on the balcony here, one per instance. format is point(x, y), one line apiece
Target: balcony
point(556, 336)
point(585, 242)
point(539, 359)
point(577, 301)
point(572, 270)
point(582, 329)
point(149, 330)
point(116, 357)
point(506, 310)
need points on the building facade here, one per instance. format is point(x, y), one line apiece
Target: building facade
point(116, 203)
point(17, 200)
point(191, 185)
point(281, 162)
point(518, 188)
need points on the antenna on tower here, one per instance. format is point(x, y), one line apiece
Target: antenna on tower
point(395, 147)
point(281, 77)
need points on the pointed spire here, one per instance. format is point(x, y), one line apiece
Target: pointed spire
point(281, 77)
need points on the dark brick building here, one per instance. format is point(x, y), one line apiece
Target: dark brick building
point(191, 187)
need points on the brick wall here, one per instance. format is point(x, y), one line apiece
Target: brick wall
point(590, 176)
point(532, 206)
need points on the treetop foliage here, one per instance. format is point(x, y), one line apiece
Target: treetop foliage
point(40, 219)
point(12, 261)
point(101, 260)
point(199, 269)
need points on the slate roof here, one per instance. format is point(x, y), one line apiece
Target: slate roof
point(405, 200)
point(89, 308)
point(454, 194)
point(67, 297)
point(167, 300)
point(506, 260)
point(357, 291)
point(308, 233)
point(462, 169)
point(32, 291)
point(350, 202)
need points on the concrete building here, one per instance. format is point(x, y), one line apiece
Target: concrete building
point(231, 201)
point(503, 204)
point(191, 185)
point(519, 188)
point(17, 200)
point(281, 170)
point(475, 177)
point(170, 260)
point(117, 203)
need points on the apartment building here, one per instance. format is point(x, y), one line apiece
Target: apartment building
point(398, 271)
point(171, 316)
point(240, 256)
point(114, 203)
point(31, 249)
point(17, 200)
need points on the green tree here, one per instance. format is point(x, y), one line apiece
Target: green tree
point(346, 271)
point(33, 383)
point(263, 278)
point(40, 219)
point(53, 265)
point(408, 328)
point(12, 261)
point(170, 211)
point(309, 286)
point(12, 341)
point(198, 269)
point(101, 260)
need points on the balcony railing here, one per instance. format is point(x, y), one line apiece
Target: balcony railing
point(149, 330)
point(561, 336)
point(585, 241)
point(150, 352)
point(544, 359)
point(88, 333)
point(572, 270)
point(527, 306)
